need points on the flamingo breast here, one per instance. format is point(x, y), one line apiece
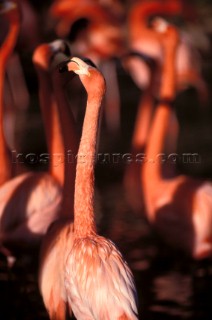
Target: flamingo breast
point(98, 281)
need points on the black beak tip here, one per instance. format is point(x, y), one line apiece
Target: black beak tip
point(63, 68)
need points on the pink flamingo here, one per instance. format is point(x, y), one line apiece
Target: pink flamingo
point(10, 10)
point(30, 202)
point(180, 208)
point(80, 270)
point(145, 50)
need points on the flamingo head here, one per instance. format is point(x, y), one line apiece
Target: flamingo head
point(159, 24)
point(10, 9)
point(45, 53)
point(168, 35)
point(89, 75)
point(60, 46)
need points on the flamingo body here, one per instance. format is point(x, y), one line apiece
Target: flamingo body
point(29, 203)
point(53, 255)
point(183, 215)
point(96, 275)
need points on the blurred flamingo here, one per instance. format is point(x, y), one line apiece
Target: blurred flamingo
point(30, 202)
point(142, 39)
point(61, 231)
point(81, 271)
point(14, 94)
point(116, 6)
point(96, 33)
point(18, 99)
point(145, 51)
point(180, 208)
point(10, 11)
point(132, 183)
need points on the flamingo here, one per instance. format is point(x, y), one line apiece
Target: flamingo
point(81, 271)
point(10, 11)
point(30, 202)
point(144, 53)
point(180, 208)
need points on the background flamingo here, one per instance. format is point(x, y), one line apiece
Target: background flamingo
point(142, 39)
point(142, 124)
point(143, 43)
point(10, 11)
point(30, 202)
point(180, 208)
point(53, 290)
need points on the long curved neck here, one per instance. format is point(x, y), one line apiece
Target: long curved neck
point(84, 223)
point(152, 168)
point(52, 126)
point(71, 143)
point(5, 51)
